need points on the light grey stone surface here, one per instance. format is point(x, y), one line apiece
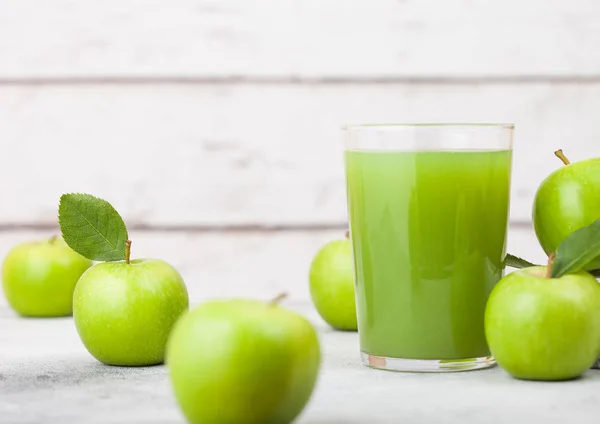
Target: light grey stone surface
point(46, 376)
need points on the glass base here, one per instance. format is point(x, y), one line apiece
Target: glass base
point(427, 365)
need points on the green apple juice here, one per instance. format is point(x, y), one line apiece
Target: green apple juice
point(428, 236)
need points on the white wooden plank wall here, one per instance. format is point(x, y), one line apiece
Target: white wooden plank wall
point(218, 121)
point(190, 154)
point(299, 38)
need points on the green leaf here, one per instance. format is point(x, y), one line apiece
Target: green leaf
point(577, 250)
point(516, 262)
point(92, 227)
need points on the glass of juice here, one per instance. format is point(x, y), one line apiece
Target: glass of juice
point(428, 208)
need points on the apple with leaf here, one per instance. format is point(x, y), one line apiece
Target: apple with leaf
point(123, 308)
point(543, 322)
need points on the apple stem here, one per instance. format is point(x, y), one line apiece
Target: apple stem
point(559, 154)
point(275, 301)
point(53, 239)
point(549, 266)
point(127, 251)
point(348, 234)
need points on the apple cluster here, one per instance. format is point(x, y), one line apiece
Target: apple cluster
point(235, 360)
point(543, 328)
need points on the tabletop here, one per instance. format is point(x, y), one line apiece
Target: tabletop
point(46, 376)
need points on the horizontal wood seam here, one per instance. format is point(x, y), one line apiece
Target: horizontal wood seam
point(225, 228)
point(294, 80)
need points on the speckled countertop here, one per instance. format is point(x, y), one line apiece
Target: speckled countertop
point(46, 376)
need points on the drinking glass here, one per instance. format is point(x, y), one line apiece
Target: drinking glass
point(428, 208)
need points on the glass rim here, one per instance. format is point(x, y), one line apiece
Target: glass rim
point(391, 126)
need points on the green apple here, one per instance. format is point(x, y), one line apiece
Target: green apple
point(125, 311)
point(567, 200)
point(541, 328)
point(39, 277)
point(331, 279)
point(240, 361)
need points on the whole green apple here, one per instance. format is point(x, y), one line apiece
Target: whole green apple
point(124, 312)
point(567, 200)
point(39, 277)
point(331, 279)
point(541, 328)
point(242, 361)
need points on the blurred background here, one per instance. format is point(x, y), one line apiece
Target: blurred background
point(213, 126)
